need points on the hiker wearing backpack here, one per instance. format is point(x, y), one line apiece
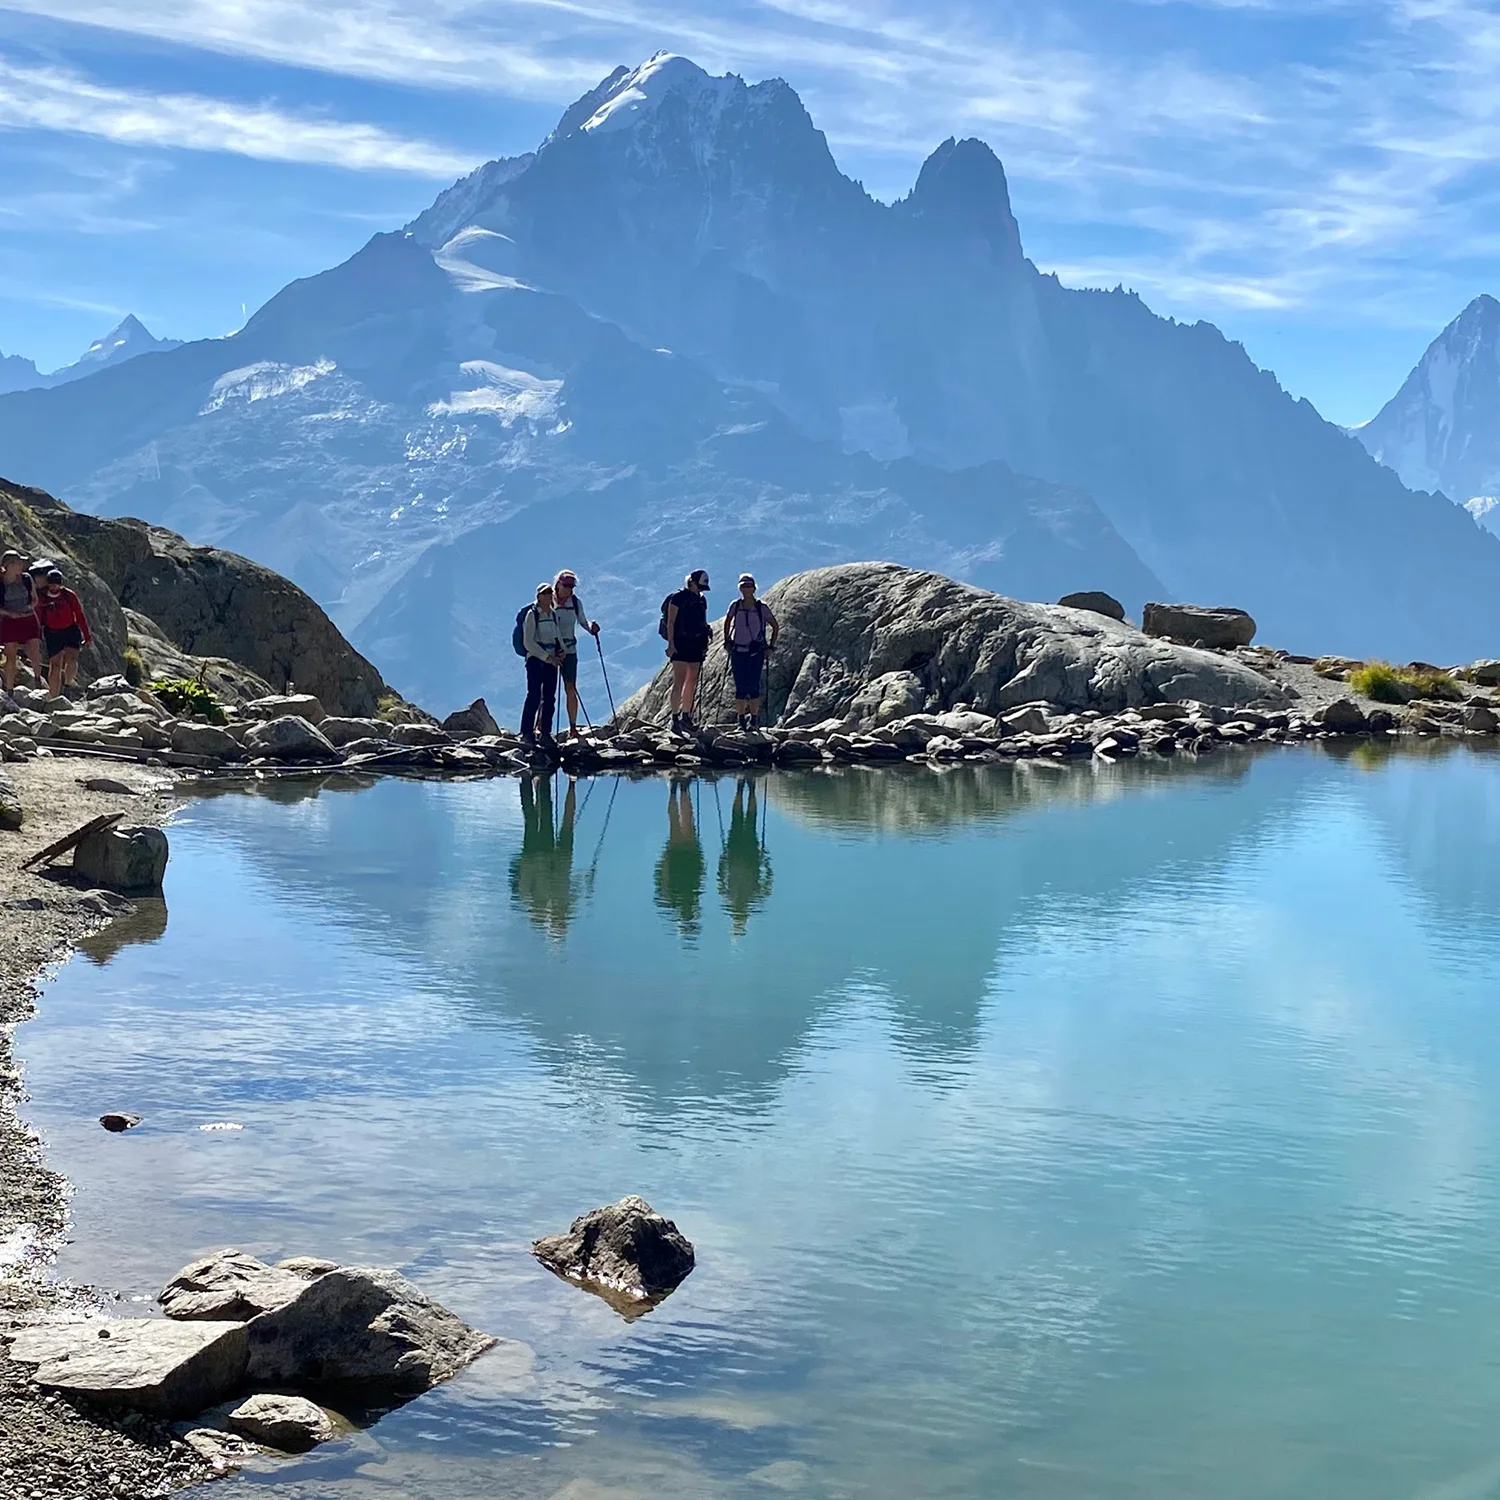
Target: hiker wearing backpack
point(750, 631)
point(540, 642)
point(684, 627)
point(19, 625)
point(570, 620)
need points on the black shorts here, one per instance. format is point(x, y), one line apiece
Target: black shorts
point(692, 651)
point(569, 667)
point(58, 641)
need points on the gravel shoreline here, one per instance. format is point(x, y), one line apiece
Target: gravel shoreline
point(50, 1448)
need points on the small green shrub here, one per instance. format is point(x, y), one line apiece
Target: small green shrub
point(389, 707)
point(135, 666)
point(1387, 684)
point(188, 698)
point(1379, 680)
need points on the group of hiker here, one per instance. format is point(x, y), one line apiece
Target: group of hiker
point(547, 631)
point(38, 609)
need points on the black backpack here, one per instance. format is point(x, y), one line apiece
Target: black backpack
point(661, 625)
point(518, 635)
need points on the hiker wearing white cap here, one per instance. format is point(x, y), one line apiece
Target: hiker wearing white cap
point(750, 631)
point(570, 620)
point(684, 627)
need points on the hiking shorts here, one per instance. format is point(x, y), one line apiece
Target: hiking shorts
point(18, 630)
point(749, 664)
point(692, 651)
point(70, 638)
point(569, 668)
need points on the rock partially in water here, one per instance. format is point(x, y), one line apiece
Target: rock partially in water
point(1096, 602)
point(155, 1365)
point(116, 1123)
point(290, 738)
point(361, 1327)
point(123, 859)
point(204, 739)
point(291, 1424)
point(229, 1284)
point(1193, 625)
point(625, 1248)
point(1342, 716)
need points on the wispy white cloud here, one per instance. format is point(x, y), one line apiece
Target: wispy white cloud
point(52, 99)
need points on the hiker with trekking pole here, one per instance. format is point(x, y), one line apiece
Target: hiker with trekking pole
point(750, 631)
point(570, 620)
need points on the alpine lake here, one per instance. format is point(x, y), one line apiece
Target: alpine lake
point(1060, 1133)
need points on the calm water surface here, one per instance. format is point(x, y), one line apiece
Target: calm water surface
point(1127, 1133)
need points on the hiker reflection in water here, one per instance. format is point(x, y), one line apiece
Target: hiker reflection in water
point(541, 874)
point(744, 866)
point(681, 868)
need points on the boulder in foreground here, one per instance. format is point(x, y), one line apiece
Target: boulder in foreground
point(129, 860)
point(626, 1248)
point(472, 721)
point(1193, 625)
point(289, 738)
point(314, 1325)
point(154, 1365)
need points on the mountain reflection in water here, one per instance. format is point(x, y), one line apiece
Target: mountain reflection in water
point(1117, 1131)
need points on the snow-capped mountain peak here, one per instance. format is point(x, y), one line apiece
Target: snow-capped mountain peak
point(124, 341)
point(638, 94)
point(1441, 430)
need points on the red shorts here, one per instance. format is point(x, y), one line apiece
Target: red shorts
point(16, 630)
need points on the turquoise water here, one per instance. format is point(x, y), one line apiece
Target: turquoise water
point(1045, 1132)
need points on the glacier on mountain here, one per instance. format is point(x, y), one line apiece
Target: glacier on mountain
point(676, 335)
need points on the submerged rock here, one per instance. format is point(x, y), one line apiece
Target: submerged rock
point(1194, 625)
point(154, 1365)
point(625, 1248)
point(123, 859)
point(292, 1424)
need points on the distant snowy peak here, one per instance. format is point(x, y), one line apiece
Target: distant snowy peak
point(125, 340)
point(457, 207)
point(667, 76)
point(1441, 430)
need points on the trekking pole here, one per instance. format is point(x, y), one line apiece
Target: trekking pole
point(613, 714)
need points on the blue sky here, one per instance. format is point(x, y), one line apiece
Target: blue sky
point(1318, 178)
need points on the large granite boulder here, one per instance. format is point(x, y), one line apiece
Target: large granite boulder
point(287, 705)
point(314, 1325)
point(154, 1365)
point(128, 860)
point(471, 722)
point(1193, 625)
point(846, 628)
point(210, 603)
point(290, 738)
point(203, 739)
point(626, 1249)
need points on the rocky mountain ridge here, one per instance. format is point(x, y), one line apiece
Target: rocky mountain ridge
point(677, 335)
point(127, 339)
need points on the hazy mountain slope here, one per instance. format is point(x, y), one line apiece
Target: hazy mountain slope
point(1441, 430)
point(709, 216)
point(418, 440)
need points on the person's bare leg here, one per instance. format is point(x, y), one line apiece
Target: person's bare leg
point(690, 686)
point(679, 672)
point(8, 671)
point(70, 666)
point(34, 656)
point(55, 675)
point(572, 707)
